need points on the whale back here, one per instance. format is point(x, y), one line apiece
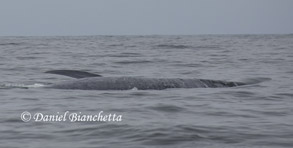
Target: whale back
point(126, 83)
point(90, 81)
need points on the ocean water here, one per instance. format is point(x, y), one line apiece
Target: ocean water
point(254, 116)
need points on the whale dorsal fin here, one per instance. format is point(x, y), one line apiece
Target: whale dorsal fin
point(73, 73)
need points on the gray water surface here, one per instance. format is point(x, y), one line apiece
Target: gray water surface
point(259, 115)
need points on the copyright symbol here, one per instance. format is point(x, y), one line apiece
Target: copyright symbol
point(26, 116)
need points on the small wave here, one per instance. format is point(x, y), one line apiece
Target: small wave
point(169, 46)
point(285, 94)
point(207, 47)
point(12, 85)
point(256, 80)
point(17, 85)
point(133, 62)
point(134, 89)
point(8, 44)
point(167, 108)
point(187, 65)
point(166, 136)
point(36, 85)
point(126, 54)
point(27, 58)
point(114, 45)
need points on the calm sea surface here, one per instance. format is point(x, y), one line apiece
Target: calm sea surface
point(259, 115)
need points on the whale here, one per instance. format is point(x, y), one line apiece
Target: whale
point(90, 81)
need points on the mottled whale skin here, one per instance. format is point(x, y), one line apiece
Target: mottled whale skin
point(89, 81)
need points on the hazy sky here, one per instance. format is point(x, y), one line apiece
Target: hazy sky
point(144, 17)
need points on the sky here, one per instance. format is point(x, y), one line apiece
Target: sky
point(144, 17)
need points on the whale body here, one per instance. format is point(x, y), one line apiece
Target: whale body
point(89, 81)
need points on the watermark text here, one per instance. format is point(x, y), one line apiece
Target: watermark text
point(70, 117)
